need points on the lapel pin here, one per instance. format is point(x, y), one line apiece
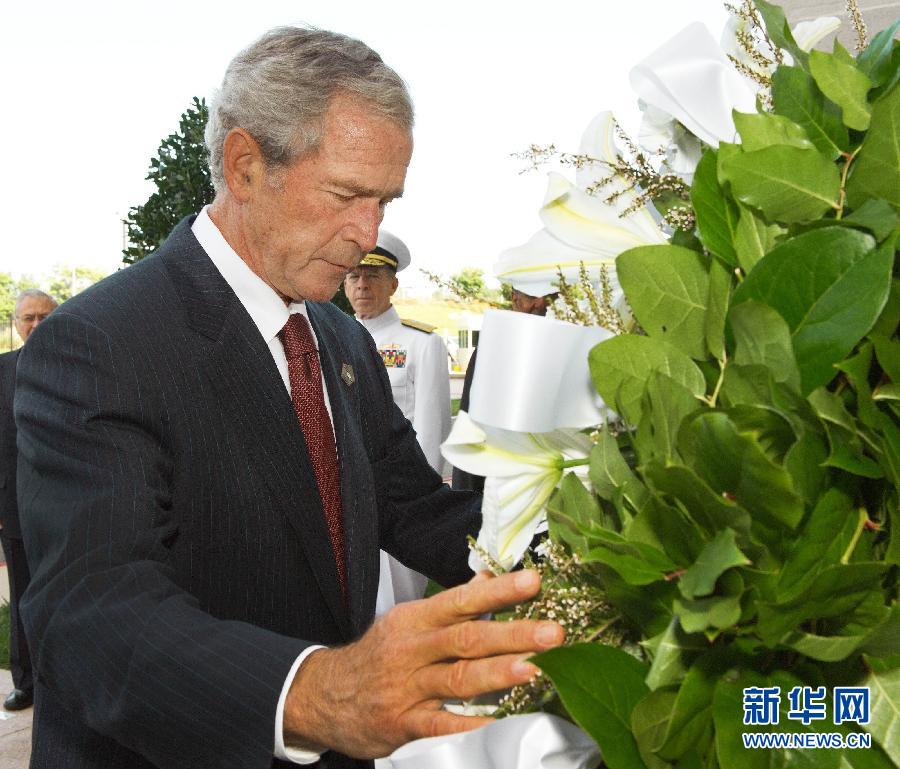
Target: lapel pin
point(347, 374)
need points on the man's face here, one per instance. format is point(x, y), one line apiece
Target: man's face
point(307, 225)
point(369, 289)
point(30, 311)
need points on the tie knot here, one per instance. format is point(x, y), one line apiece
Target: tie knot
point(296, 336)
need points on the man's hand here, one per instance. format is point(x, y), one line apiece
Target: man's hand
point(368, 698)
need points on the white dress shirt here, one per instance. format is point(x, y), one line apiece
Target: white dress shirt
point(269, 312)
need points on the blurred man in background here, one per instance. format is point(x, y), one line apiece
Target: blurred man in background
point(32, 306)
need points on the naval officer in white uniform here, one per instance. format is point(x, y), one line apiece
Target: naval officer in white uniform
point(416, 361)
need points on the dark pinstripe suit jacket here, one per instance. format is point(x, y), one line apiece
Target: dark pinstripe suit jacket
point(179, 553)
point(9, 513)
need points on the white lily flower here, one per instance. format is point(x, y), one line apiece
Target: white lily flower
point(580, 228)
point(691, 79)
point(661, 133)
point(808, 33)
point(522, 470)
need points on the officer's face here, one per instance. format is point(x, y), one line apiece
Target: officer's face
point(531, 305)
point(370, 289)
point(307, 225)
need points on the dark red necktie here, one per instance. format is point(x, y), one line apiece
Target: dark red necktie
point(305, 376)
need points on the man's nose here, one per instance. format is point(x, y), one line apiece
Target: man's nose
point(368, 218)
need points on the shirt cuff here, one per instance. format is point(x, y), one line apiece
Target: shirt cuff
point(294, 755)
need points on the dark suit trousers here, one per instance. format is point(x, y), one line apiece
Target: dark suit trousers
point(19, 577)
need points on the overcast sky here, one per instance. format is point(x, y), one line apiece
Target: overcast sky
point(91, 88)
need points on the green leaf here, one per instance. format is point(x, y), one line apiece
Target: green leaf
point(888, 353)
point(805, 462)
point(847, 453)
point(672, 651)
point(736, 466)
point(779, 30)
point(876, 216)
point(875, 60)
point(573, 514)
point(830, 408)
point(884, 637)
point(717, 214)
point(665, 405)
point(667, 288)
point(787, 184)
point(649, 721)
point(887, 392)
point(710, 511)
point(858, 369)
point(715, 613)
point(600, 687)
point(620, 367)
point(884, 710)
point(762, 337)
point(754, 238)
point(716, 557)
point(890, 449)
point(717, 308)
point(876, 170)
point(795, 95)
point(762, 129)
point(823, 648)
point(889, 319)
point(820, 543)
point(845, 85)
point(829, 285)
point(690, 722)
point(772, 431)
point(610, 475)
point(636, 562)
point(718, 611)
point(727, 712)
point(836, 590)
point(667, 529)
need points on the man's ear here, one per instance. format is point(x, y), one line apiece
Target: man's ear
point(394, 284)
point(243, 163)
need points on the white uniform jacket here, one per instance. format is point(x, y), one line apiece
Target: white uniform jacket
point(416, 363)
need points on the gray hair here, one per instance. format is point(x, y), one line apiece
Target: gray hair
point(33, 293)
point(280, 87)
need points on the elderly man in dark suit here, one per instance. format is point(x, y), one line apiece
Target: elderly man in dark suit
point(32, 306)
point(211, 458)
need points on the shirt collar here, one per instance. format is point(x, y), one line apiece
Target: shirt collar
point(387, 318)
point(265, 307)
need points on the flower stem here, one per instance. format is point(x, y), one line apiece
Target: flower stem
point(860, 527)
point(574, 463)
point(839, 206)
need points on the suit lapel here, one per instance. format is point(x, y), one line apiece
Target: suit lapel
point(252, 395)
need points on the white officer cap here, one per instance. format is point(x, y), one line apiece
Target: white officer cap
point(390, 251)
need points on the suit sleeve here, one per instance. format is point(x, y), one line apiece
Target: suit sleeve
point(432, 399)
point(422, 523)
point(119, 643)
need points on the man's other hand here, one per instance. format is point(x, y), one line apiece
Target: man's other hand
point(386, 689)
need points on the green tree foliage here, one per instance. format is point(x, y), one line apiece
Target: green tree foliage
point(61, 281)
point(469, 281)
point(8, 292)
point(10, 288)
point(180, 172)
